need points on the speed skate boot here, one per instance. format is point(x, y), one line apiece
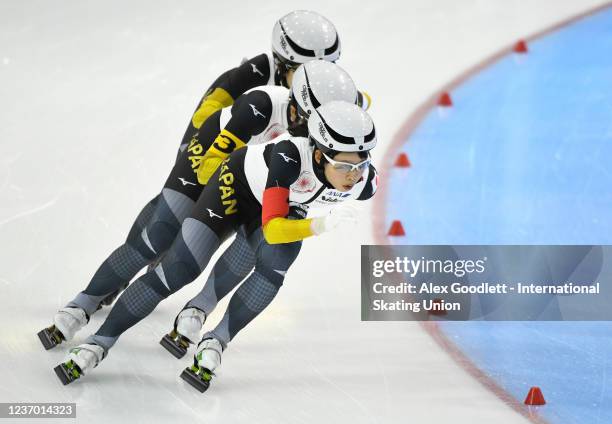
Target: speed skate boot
point(187, 327)
point(206, 360)
point(66, 322)
point(80, 360)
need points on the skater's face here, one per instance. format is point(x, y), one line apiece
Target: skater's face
point(339, 172)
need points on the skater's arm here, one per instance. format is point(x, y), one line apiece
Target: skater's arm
point(230, 85)
point(250, 116)
point(284, 170)
point(277, 228)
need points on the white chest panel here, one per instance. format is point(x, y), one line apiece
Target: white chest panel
point(278, 121)
point(307, 191)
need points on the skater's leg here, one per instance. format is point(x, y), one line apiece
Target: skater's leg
point(150, 236)
point(215, 217)
point(182, 264)
point(139, 250)
point(259, 289)
point(231, 268)
point(200, 236)
point(143, 217)
point(251, 298)
point(147, 242)
point(70, 319)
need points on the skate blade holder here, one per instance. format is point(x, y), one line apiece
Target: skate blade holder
point(176, 345)
point(196, 381)
point(67, 373)
point(50, 337)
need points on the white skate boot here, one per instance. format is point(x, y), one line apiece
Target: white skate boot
point(187, 327)
point(208, 355)
point(66, 322)
point(189, 323)
point(80, 361)
point(70, 320)
point(206, 360)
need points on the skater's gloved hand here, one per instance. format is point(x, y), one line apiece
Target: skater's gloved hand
point(340, 215)
point(214, 101)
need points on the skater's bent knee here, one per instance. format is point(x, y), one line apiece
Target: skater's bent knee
point(272, 275)
point(160, 235)
point(176, 275)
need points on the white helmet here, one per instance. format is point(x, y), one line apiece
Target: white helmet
point(341, 127)
point(301, 36)
point(318, 82)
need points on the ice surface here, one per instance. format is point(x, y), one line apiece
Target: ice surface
point(94, 98)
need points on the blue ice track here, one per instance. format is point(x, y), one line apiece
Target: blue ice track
point(524, 157)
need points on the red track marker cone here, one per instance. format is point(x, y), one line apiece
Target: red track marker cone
point(402, 161)
point(520, 47)
point(397, 229)
point(535, 397)
point(445, 100)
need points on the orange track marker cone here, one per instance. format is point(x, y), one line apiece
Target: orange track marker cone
point(445, 100)
point(396, 229)
point(520, 47)
point(402, 161)
point(535, 397)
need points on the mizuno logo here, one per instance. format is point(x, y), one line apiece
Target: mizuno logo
point(185, 182)
point(256, 112)
point(255, 70)
point(287, 158)
point(212, 214)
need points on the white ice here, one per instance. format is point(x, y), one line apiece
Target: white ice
point(94, 98)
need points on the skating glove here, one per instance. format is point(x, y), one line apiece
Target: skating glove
point(224, 144)
point(340, 215)
point(217, 99)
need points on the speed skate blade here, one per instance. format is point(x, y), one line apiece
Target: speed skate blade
point(64, 374)
point(48, 339)
point(173, 346)
point(194, 380)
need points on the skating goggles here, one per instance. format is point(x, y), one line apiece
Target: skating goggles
point(346, 167)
